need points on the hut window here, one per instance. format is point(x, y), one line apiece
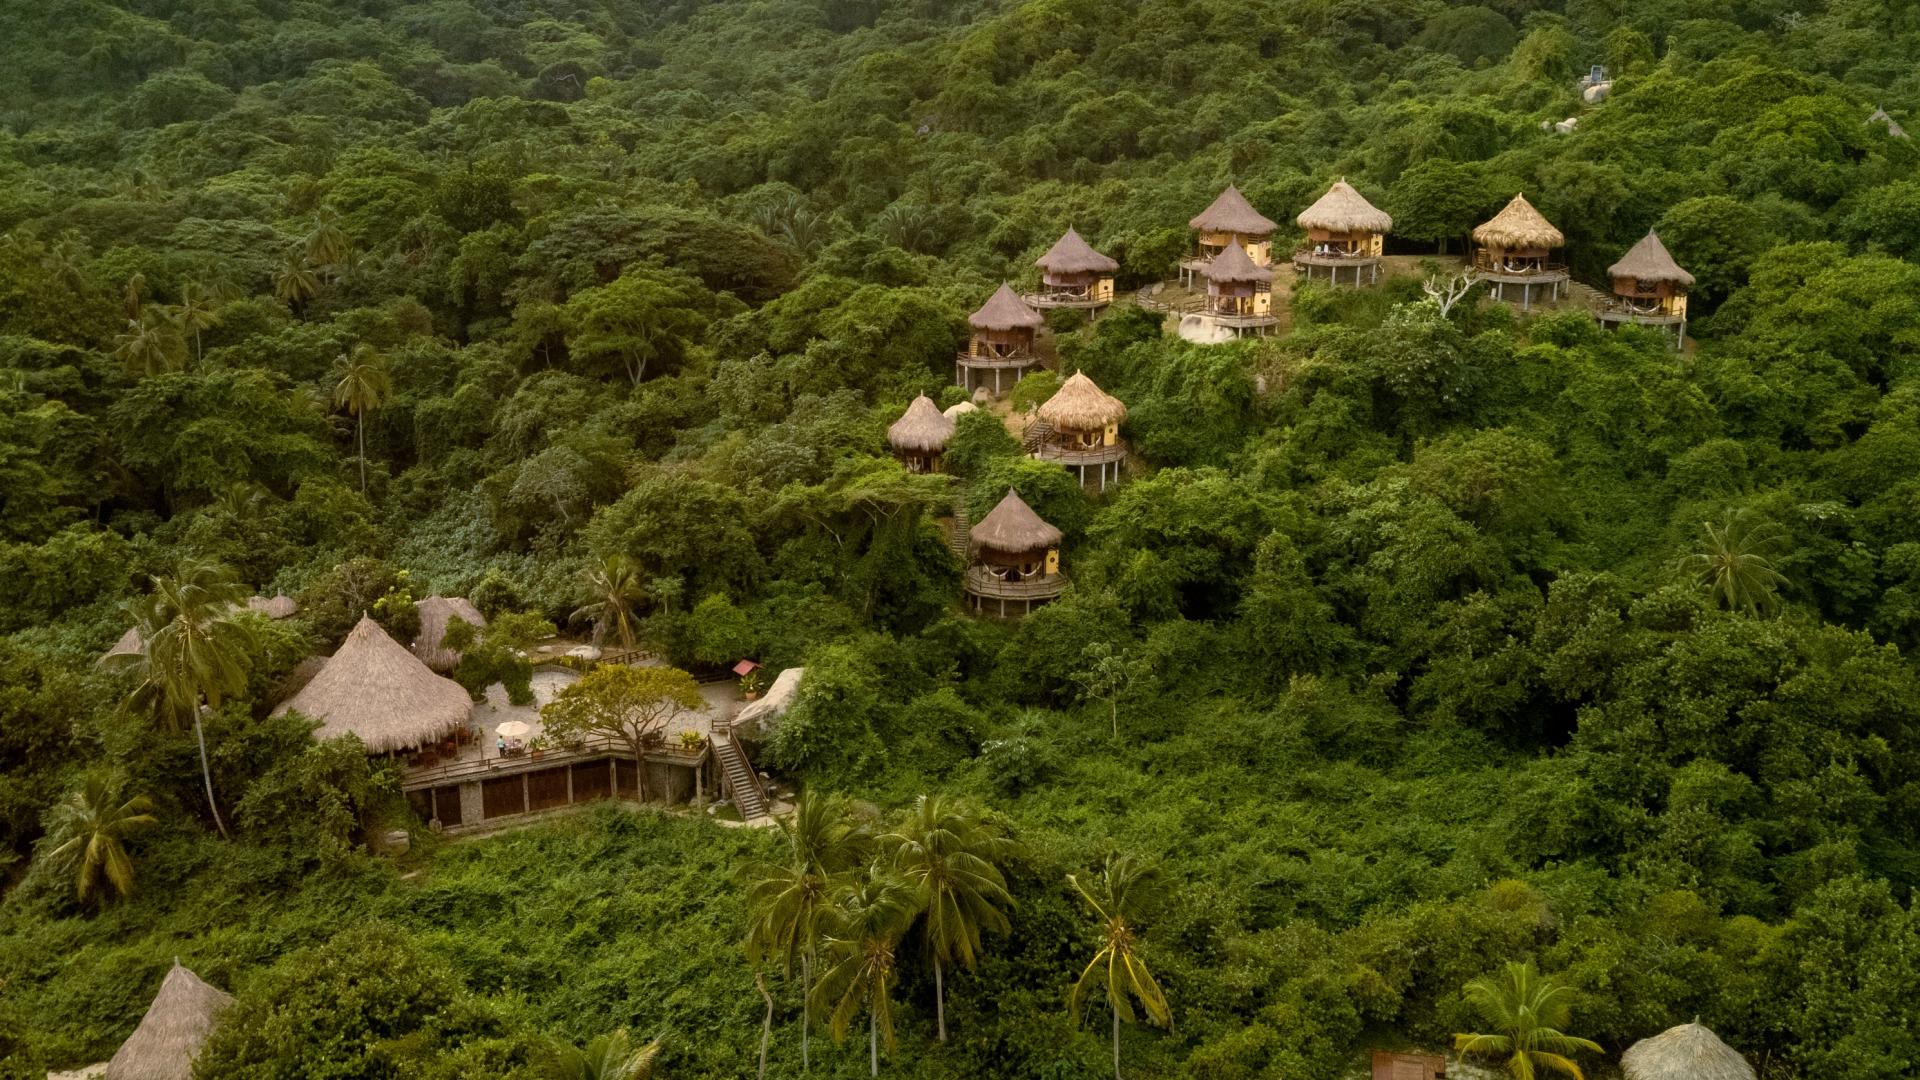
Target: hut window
point(1087, 438)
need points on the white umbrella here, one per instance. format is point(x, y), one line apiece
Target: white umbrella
point(513, 729)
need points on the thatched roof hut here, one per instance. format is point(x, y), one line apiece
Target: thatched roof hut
point(1072, 255)
point(279, 607)
point(1014, 528)
point(1879, 116)
point(170, 1035)
point(436, 614)
point(130, 644)
point(1687, 1052)
point(1004, 310)
point(1649, 262)
point(922, 429)
point(374, 688)
point(1232, 213)
point(1080, 405)
point(1518, 226)
point(1344, 210)
point(1233, 264)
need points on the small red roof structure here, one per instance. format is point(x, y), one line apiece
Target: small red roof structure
point(1392, 1065)
point(745, 668)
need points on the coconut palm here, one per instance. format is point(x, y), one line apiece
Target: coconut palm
point(1524, 1013)
point(606, 1057)
point(193, 650)
point(614, 594)
point(948, 853)
point(66, 260)
point(133, 296)
point(327, 243)
point(91, 828)
point(295, 283)
point(867, 917)
point(788, 898)
point(362, 383)
point(150, 345)
point(1118, 896)
point(1734, 567)
point(196, 312)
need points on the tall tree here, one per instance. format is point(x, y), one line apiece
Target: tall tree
point(327, 243)
point(294, 282)
point(646, 317)
point(1524, 1013)
point(1734, 566)
point(615, 590)
point(867, 918)
point(1118, 897)
point(949, 853)
point(630, 704)
point(150, 345)
point(91, 828)
point(195, 313)
point(788, 898)
point(362, 383)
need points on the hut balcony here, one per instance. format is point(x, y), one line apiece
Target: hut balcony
point(1062, 452)
point(1517, 269)
point(988, 590)
point(1240, 311)
point(989, 357)
point(1334, 253)
point(1645, 310)
point(1097, 294)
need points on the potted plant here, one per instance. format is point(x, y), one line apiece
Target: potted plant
point(752, 683)
point(691, 740)
point(537, 746)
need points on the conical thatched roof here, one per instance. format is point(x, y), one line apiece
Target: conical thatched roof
point(1519, 225)
point(1232, 213)
point(1343, 209)
point(279, 607)
point(1648, 261)
point(922, 429)
point(1004, 310)
point(1687, 1052)
point(436, 612)
point(1233, 264)
point(1013, 527)
point(1079, 405)
point(1879, 116)
point(130, 644)
point(1072, 255)
point(170, 1035)
point(376, 689)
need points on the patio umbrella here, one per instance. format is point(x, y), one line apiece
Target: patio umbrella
point(513, 729)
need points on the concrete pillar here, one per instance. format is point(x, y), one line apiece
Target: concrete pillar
point(471, 808)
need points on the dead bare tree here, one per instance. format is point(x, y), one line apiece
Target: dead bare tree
point(1450, 291)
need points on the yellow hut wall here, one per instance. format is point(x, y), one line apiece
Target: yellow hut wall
point(1053, 561)
point(1103, 290)
point(1259, 248)
point(1112, 434)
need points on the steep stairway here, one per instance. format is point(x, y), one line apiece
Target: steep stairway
point(1037, 433)
point(962, 522)
point(743, 784)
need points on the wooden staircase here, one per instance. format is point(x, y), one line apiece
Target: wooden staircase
point(957, 538)
point(741, 782)
point(1583, 297)
point(1036, 434)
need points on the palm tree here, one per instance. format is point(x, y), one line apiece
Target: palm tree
point(789, 898)
point(66, 260)
point(1734, 567)
point(868, 916)
point(91, 828)
point(948, 854)
point(614, 594)
point(327, 243)
point(150, 345)
point(1525, 1013)
point(133, 296)
point(193, 649)
point(606, 1057)
point(363, 382)
point(196, 313)
point(295, 283)
point(1123, 890)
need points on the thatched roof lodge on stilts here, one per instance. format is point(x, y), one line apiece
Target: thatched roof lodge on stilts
point(1239, 293)
point(1344, 231)
point(1648, 288)
point(1015, 560)
point(919, 437)
point(1001, 341)
point(374, 688)
point(1230, 220)
point(436, 614)
point(1687, 1052)
point(1073, 275)
point(172, 1032)
point(1516, 248)
point(1083, 430)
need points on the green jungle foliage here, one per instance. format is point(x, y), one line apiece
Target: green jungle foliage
point(1432, 643)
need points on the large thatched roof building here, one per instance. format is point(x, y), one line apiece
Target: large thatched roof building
point(920, 436)
point(1073, 275)
point(1687, 1052)
point(1005, 311)
point(1519, 227)
point(1649, 288)
point(1016, 559)
point(1230, 212)
point(1344, 232)
point(436, 614)
point(374, 688)
point(1080, 405)
point(1001, 342)
point(1649, 261)
point(173, 1030)
point(1515, 249)
point(1012, 527)
point(1344, 210)
point(1083, 430)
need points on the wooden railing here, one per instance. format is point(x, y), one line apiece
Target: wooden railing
point(724, 742)
point(980, 582)
point(1073, 454)
point(1020, 359)
point(455, 772)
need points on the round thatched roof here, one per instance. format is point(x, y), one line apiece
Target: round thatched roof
point(1079, 405)
point(1519, 225)
point(1648, 261)
point(922, 429)
point(1687, 1052)
point(1233, 264)
point(1072, 255)
point(1004, 310)
point(130, 644)
point(1232, 213)
point(1013, 527)
point(279, 607)
point(176, 1025)
point(436, 612)
point(374, 688)
point(1342, 209)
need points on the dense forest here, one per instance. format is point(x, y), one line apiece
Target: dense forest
point(1391, 656)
